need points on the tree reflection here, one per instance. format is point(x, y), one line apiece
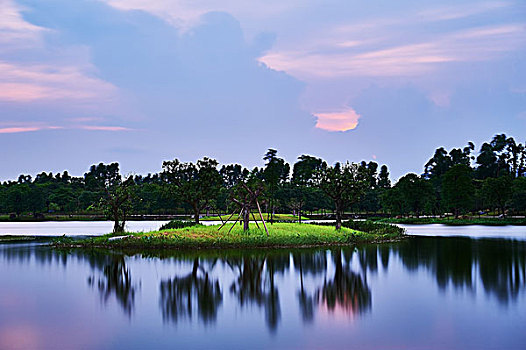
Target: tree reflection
point(255, 282)
point(114, 280)
point(180, 296)
point(347, 291)
point(312, 263)
point(500, 264)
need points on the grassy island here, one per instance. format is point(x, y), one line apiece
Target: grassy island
point(200, 236)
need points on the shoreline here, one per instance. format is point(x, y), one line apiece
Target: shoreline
point(456, 222)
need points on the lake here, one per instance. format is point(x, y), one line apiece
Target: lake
point(427, 292)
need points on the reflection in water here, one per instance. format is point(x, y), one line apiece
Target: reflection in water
point(255, 283)
point(114, 280)
point(500, 265)
point(347, 291)
point(181, 295)
point(332, 281)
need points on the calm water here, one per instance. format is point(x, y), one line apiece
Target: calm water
point(72, 228)
point(427, 292)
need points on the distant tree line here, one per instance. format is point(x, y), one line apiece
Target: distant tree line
point(456, 181)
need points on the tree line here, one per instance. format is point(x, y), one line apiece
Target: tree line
point(458, 181)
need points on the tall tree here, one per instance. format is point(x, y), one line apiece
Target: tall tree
point(304, 170)
point(117, 202)
point(275, 173)
point(344, 184)
point(417, 193)
point(518, 199)
point(497, 191)
point(383, 177)
point(195, 184)
point(487, 162)
point(458, 190)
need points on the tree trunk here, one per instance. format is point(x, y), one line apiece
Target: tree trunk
point(338, 218)
point(246, 219)
point(196, 214)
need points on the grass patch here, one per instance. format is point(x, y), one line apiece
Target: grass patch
point(277, 217)
point(281, 235)
point(456, 222)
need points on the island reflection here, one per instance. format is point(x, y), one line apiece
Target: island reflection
point(320, 280)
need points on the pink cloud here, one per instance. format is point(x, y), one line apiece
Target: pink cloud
point(410, 59)
point(18, 129)
point(25, 83)
point(338, 121)
point(104, 128)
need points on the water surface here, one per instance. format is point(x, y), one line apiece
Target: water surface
point(426, 292)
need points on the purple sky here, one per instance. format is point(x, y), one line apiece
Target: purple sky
point(142, 81)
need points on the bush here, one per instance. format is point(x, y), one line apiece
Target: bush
point(174, 224)
point(376, 228)
point(372, 227)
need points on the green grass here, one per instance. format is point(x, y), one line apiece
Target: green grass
point(281, 235)
point(277, 217)
point(456, 222)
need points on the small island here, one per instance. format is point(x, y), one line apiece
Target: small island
point(187, 235)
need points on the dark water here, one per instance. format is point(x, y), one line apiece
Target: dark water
point(437, 293)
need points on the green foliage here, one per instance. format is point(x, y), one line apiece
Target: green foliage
point(375, 228)
point(196, 184)
point(117, 201)
point(455, 222)
point(497, 191)
point(518, 199)
point(411, 194)
point(344, 184)
point(458, 190)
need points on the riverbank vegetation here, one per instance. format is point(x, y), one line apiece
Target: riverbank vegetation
point(455, 222)
point(456, 183)
point(280, 235)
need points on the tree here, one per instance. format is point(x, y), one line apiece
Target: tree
point(117, 201)
point(276, 172)
point(497, 191)
point(246, 194)
point(393, 201)
point(442, 161)
point(344, 184)
point(305, 168)
point(303, 175)
point(383, 178)
point(518, 198)
point(233, 174)
point(417, 193)
point(195, 184)
point(458, 190)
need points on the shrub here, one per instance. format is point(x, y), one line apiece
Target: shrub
point(376, 228)
point(173, 224)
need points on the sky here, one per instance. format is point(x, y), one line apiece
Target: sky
point(142, 81)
